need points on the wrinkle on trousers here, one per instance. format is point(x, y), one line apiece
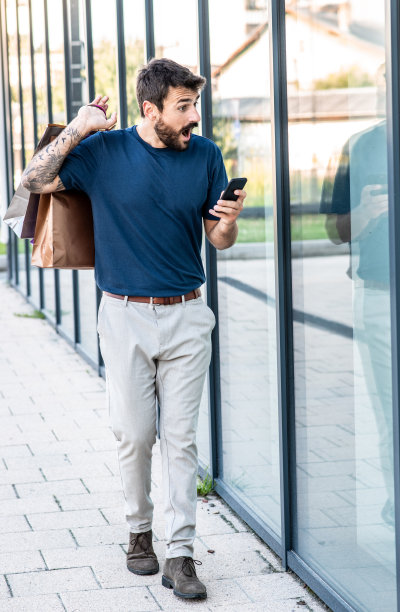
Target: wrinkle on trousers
point(157, 352)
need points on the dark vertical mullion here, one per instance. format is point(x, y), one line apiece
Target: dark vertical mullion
point(67, 60)
point(150, 45)
point(50, 120)
point(215, 425)
point(7, 122)
point(39, 271)
point(283, 275)
point(121, 61)
point(74, 59)
point(89, 61)
point(21, 111)
point(89, 50)
point(393, 134)
point(68, 106)
point(23, 154)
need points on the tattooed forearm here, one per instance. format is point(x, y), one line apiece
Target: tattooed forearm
point(44, 166)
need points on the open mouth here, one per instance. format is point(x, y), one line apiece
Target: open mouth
point(186, 133)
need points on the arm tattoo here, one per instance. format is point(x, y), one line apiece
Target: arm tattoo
point(44, 166)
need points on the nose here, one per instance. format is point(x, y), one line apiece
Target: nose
point(195, 117)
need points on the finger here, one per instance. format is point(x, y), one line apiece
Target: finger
point(228, 204)
point(104, 99)
point(229, 212)
point(213, 212)
point(96, 100)
point(111, 121)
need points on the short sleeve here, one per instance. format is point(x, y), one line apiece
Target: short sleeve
point(217, 183)
point(82, 164)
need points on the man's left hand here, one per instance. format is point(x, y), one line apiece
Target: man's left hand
point(229, 210)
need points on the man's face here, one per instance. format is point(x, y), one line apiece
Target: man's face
point(179, 116)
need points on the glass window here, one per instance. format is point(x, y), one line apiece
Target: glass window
point(104, 33)
point(181, 45)
point(134, 21)
point(87, 305)
point(342, 336)
point(57, 69)
point(246, 278)
point(16, 124)
point(39, 66)
point(13, 69)
point(28, 127)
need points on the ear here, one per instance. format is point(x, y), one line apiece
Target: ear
point(150, 110)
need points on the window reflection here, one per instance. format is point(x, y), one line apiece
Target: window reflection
point(246, 288)
point(340, 244)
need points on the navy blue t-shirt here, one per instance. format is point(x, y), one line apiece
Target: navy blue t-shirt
point(148, 204)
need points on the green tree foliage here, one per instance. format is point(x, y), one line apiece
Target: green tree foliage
point(106, 77)
point(353, 77)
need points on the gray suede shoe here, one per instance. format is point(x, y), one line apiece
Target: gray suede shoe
point(141, 558)
point(180, 574)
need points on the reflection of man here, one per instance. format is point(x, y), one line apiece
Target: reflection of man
point(358, 214)
point(151, 186)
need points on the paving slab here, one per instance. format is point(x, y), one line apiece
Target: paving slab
point(62, 506)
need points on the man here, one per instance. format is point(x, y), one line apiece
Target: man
point(150, 187)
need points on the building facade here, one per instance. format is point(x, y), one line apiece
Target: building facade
point(299, 423)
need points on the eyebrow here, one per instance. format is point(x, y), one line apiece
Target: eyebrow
point(187, 100)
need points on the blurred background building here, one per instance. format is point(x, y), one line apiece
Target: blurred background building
point(299, 423)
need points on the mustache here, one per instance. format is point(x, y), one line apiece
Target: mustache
point(190, 126)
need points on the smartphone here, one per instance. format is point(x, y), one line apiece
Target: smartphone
point(235, 183)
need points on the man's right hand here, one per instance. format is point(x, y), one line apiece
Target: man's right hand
point(92, 118)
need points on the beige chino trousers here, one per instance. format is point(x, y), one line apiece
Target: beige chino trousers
point(157, 352)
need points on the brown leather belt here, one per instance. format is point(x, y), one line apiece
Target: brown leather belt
point(165, 301)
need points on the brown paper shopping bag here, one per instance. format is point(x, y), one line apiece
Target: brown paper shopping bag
point(64, 231)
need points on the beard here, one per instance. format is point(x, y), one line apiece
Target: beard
point(172, 138)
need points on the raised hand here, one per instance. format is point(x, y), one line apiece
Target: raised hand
point(93, 116)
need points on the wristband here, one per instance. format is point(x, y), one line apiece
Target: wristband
point(100, 107)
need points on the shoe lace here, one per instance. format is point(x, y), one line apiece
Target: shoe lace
point(141, 540)
point(189, 565)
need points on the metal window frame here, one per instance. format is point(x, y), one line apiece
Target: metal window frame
point(23, 154)
point(149, 39)
point(392, 21)
point(283, 273)
point(6, 95)
point(214, 389)
point(90, 88)
point(283, 546)
point(121, 65)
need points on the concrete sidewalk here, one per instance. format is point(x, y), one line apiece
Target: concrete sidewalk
point(62, 533)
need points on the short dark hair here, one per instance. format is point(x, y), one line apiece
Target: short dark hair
point(155, 79)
